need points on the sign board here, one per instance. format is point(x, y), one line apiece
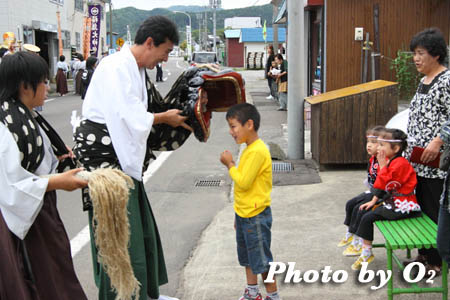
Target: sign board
point(120, 42)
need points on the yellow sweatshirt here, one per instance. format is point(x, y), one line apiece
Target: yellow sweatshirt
point(252, 180)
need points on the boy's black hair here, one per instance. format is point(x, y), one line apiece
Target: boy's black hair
point(396, 134)
point(244, 112)
point(62, 58)
point(90, 62)
point(375, 130)
point(433, 40)
point(279, 56)
point(159, 28)
point(21, 67)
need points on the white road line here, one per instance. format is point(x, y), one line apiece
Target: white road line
point(79, 241)
point(180, 67)
point(48, 100)
point(168, 74)
point(83, 237)
point(165, 78)
point(154, 166)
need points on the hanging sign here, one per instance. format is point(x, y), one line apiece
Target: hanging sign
point(95, 16)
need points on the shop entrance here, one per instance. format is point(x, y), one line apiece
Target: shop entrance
point(42, 42)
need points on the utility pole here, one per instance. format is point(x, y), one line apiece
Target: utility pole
point(275, 4)
point(214, 5)
point(199, 20)
point(296, 79)
point(110, 26)
point(188, 33)
point(205, 35)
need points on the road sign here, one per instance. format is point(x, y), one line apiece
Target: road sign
point(120, 42)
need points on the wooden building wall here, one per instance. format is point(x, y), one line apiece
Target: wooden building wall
point(399, 21)
point(235, 53)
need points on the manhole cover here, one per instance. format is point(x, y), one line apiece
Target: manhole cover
point(208, 183)
point(282, 167)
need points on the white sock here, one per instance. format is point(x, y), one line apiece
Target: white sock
point(274, 296)
point(348, 234)
point(360, 242)
point(366, 251)
point(253, 289)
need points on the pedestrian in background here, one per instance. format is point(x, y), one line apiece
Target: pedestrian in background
point(270, 59)
point(252, 187)
point(282, 80)
point(159, 72)
point(61, 77)
point(91, 63)
point(79, 66)
point(35, 258)
point(428, 111)
point(273, 72)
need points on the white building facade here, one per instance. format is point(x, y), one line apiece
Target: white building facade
point(35, 22)
point(242, 22)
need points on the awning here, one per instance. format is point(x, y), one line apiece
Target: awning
point(38, 25)
point(282, 14)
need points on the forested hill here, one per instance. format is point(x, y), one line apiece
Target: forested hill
point(134, 17)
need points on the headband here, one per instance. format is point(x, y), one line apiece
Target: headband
point(372, 137)
point(390, 141)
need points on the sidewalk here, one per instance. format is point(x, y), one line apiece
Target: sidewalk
point(307, 225)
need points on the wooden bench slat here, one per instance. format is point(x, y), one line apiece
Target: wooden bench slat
point(408, 235)
point(429, 230)
point(390, 240)
point(400, 240)
point(420, 238)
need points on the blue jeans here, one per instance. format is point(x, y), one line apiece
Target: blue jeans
point(253, 238)
point(443, 234)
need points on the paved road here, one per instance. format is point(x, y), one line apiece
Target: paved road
point(182, 210)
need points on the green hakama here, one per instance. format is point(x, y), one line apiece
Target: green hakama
point(145, 249)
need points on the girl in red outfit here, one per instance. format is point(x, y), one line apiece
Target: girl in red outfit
point(393, 190)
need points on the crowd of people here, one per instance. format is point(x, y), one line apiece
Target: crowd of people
point(35, 248)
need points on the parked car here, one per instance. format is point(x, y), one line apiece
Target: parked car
point(203, 58)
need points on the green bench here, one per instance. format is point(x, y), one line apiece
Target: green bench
point(408, 234)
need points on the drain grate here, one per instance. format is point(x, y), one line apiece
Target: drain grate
point(282, 167)
point(208, 183)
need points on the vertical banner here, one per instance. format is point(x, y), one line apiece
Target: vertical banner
point(86, 35)
point(95, 16)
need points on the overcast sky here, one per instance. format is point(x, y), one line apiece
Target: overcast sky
point(151, 4)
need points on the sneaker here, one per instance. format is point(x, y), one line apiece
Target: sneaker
point(358, 263)
point(247, 296)
point(269, 97)
point(345, 242)
point(352, 251)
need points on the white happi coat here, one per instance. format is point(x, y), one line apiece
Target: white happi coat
point(117, 97)
point(22, 192)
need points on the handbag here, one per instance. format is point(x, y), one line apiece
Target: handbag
point(417, 153)
point(444, 161)
point(282, 87)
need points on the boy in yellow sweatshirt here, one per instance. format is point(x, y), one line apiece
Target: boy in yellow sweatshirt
point(252, 187)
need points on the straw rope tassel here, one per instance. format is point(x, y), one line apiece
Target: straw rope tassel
point(109, 191)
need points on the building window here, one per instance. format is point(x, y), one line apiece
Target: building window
point(27, 35)
point(60, 2)
point(78, 41)
point(66, 39)
point(79, 5)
